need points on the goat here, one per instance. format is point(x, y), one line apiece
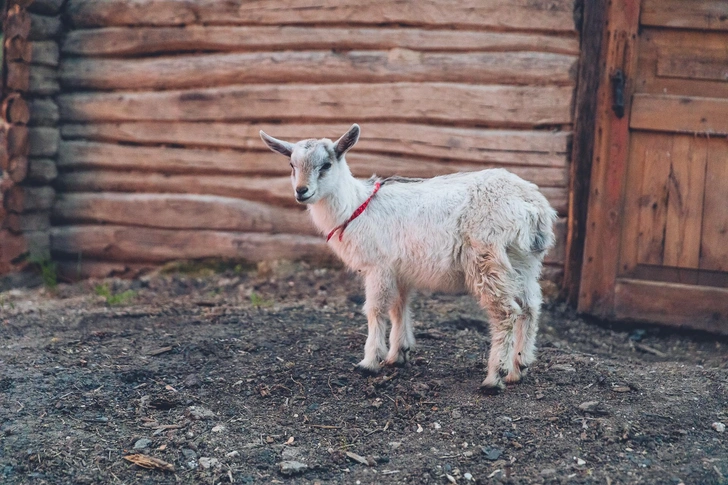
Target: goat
point(484, 232)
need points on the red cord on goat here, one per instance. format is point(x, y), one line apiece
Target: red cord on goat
point(356, 214)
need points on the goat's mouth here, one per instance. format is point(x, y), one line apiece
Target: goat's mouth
point(304, 199)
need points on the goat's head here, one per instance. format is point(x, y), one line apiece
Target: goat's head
point(316, 164)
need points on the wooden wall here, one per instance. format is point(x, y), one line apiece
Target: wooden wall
point(161, 102)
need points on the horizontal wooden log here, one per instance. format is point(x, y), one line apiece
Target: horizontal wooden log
point(44, 141)
point(41, 170)
point(688, 114)
point(17, 169)
point(12, 248)
point(17, 49)
point(43, 80)
point(32, 221)
point(17, 23)
point(122, 243)
point(180, 211)
point(135, 41)
point(677, 305)
point(703, 14)
point(85, 155)
point(46, 7)
point(398, 65)
point(554, 15)
point(26, 199)
point(420, 102)
point(44, 28)
point(45, 52)
point(43, 112)
point(17, 76)
point(15, 109)
point(273, 190)
point(536, 148)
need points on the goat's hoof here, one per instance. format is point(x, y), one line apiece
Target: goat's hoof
point(367, 370)
point(399, 360)
point(513, 378)
point(491, 387)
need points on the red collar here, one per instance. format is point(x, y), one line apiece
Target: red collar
point(356, 214)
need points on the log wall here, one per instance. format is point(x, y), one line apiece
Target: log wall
point(30, 132)
point(159, 103)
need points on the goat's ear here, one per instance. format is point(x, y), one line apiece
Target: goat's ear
point(280, 146)
point(347, 140)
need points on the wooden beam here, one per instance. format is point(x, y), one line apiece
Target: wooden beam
point(42, 170)
point(609, 163)
point(180, 211)
point(135, 41)
point(555, 15)
point(421, 102)
point(688, 114)
point(190, 71)
point(44, 28)
point(703, 14)
point(45, 52)
point(44, 141)
point(506, 147)
point(122, 243)
point(25, 199)
point(677, 305)
point(43, 112)
point(43, 80)
point(590, 72)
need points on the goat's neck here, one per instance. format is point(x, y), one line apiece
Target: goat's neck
point(336, 208)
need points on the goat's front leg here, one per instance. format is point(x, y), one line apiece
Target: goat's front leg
point(380, 291)
point(401, 337)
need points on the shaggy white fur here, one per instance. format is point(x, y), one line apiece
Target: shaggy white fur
point(485, 232)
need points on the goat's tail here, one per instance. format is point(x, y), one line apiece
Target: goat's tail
point(542, 230)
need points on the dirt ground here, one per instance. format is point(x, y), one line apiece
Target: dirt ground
point(246, 376)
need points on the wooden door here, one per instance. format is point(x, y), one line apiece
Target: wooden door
point(657, 225)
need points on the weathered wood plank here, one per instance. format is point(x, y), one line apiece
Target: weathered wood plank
point(84, 155)
point(44, 28)
point(44, 141)
point(17, 169)
point(43, 112)
point(686, 187)
point(45, 52)
point(46, 7)
point(121, 243)
point(554, 15)
point(273, 190)
point(32, 221)
point(25, 199)
point(190, 71)
point(180, 211)
point(420, 102)
point(683, 306)
point(43, 80)
point(42, 170)
point(134, 41)
point(15, 109)
point(714, 251)
point(695, 63)
point(688, 114)
point(655, 159)
point(703, 14)
point(17, 49)
point(535, 148)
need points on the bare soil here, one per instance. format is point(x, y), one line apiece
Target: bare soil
point(234, 376)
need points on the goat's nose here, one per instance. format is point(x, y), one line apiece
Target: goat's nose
point(301, 190)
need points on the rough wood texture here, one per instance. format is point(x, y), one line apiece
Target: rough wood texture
point(43, 112)
point(46, 7)
point(44, 28)
point(78, 270)
point(180, 211)
point(275, 190)
point(552, 15)
point(41, 170)
point(25, 199)
point(609, 163)
point(17, 23)
point(687, 114)
point(17, 76)
point(15, 109)
point(682, 306)
point(695, 63)
point(17, 49)
point(594, 20)
point(398, 65)
point(84, 155)
point(420, 102)
point(714, 244)
point(44, 141)
point(33, 221)
point(43, 80)
point(119, 243)
point(703, 14)
point(508, 147)
point(45, 52)
point(17, 141)
point(12, 247)
point(133, 41)
point(17, 169)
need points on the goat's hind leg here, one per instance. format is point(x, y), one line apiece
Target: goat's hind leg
point(401, 337)
point(525, 351)
point(381, 289)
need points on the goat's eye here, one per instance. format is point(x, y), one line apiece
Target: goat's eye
point(325, 167)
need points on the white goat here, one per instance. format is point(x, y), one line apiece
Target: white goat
point(486, 232)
